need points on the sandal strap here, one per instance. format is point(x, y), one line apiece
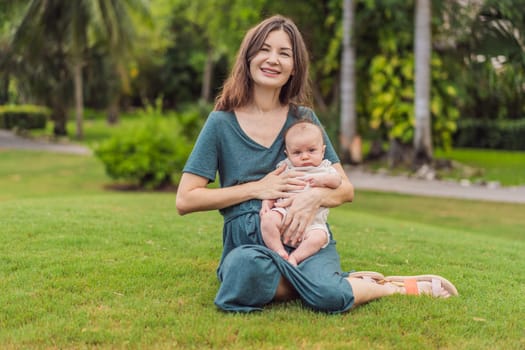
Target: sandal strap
point(436, 287)
point(411, 286)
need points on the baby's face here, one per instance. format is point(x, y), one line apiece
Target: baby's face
point(304, 145)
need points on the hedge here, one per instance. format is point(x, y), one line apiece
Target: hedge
point(492, 134)
point(23, 117)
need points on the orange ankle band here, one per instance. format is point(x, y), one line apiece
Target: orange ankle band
point(411, 287)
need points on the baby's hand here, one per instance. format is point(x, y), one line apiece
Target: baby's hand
point(323, 180)
point(266, 206)
point(313, 181)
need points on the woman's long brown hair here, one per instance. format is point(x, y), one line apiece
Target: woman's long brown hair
point(238, 88)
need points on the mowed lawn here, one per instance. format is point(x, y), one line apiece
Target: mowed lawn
point(85, 267)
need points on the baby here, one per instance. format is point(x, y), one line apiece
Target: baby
point(305, 149)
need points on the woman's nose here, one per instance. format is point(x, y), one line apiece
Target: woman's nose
point(273, 57)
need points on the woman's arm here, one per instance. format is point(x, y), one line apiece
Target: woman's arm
point(194, 195)
point(303, 206)
point(342, 194)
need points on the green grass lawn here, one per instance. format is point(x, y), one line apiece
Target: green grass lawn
point(81, 267)
point(507, 167)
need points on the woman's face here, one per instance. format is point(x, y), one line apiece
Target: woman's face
point(272, 65)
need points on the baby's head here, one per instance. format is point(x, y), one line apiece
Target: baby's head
point(304, 143)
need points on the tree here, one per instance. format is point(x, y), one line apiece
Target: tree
point(37, 53)
point(222, 34)
point(422, 55)
point(66, 30)
point(493, 55)
point(10, 12)
point(349, 138)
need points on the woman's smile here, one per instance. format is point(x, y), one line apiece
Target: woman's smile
point(270, 71)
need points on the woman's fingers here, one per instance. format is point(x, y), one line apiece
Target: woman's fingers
point(294, 234)
point(297, 234)
point(278, 184)
point(302, 208)
point(293, 228)
point(294, 181)
point(279, 170)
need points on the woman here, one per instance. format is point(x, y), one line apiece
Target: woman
point(242, 141)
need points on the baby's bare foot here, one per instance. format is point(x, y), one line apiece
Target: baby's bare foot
point(292, 260)
point(283, 254)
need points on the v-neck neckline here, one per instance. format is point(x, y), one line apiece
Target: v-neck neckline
point(252, 140)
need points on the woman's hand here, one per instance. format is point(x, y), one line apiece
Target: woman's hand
point(278, 184)
point(302, 208)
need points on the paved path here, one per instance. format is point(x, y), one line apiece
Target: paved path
point(11, 141)
point(361, 180)
point(434, 188)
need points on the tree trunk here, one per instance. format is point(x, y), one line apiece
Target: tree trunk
point(113, 110)
point(399, 154)
point(59, 117)
point(422, 53)
point(318, 98)
point(349, 140)
point(4, 89)
point(207, 76)
point(79, 100)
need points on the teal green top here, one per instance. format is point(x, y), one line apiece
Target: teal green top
point(249, 271)
point(224, 147)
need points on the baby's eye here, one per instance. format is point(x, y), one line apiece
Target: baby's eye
point(313, 150)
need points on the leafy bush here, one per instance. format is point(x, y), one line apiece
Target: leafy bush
point(493, 134)
point(23, 117)
point(391, 103)
point(192, 118)
point(147, 154)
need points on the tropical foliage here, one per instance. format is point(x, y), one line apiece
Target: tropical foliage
point(64, 54)
point(51, 44)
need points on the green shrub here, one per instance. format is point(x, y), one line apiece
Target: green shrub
point(23, 117)
point(492, 134)
point(147, 154)
point(192, 118)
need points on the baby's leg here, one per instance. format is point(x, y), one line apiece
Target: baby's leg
point(313, 242)
point(270, 223)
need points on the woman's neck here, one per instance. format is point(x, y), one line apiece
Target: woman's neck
point(266, 100)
